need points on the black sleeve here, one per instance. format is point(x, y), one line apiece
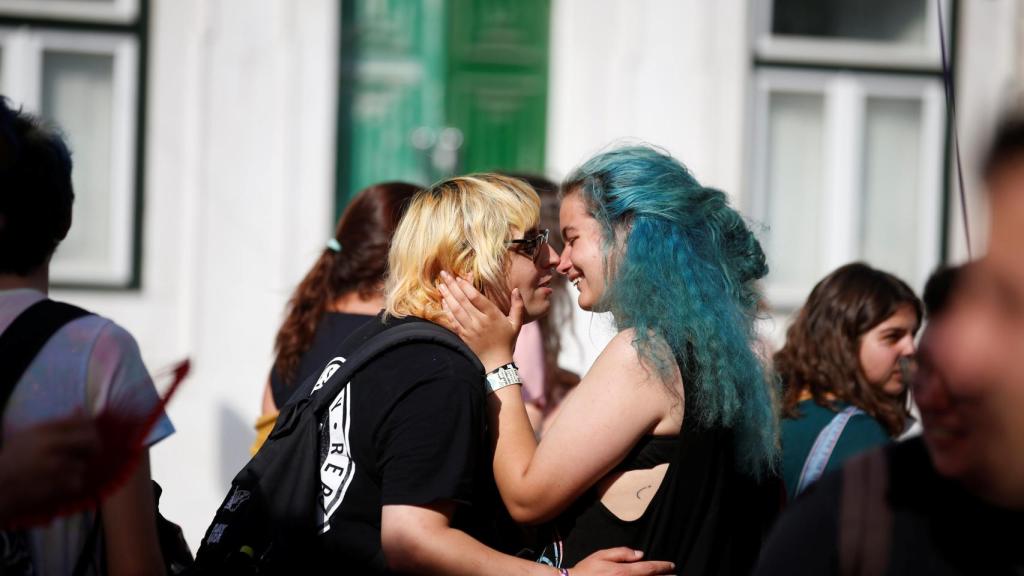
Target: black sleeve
point(429, 446)
point(805, 538)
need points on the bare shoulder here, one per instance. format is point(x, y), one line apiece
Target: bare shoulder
point(620, 347)
point(621, 360)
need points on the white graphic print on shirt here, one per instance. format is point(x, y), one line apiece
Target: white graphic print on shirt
point(338, 468)
point(329, 371)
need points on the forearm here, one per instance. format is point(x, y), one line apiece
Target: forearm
point(416, 541)
point(514, 447)
point(454, 552)
point(129, 524)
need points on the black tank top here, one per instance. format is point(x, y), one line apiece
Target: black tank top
point(706, 516)
point(649, 452)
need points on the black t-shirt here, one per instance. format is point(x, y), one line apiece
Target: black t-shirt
point(938, 528)
point(408, 429)
point(332, 330)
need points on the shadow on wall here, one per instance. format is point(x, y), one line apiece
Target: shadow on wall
point(234, 436)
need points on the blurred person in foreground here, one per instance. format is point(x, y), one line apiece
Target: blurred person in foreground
point(342, 291)
point(89, 370)
point(952, 500)
point(843, 387)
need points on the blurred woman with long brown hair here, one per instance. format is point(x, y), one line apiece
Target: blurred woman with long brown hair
point(342, 290)
point(844, 389)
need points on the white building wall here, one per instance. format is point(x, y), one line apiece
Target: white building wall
point(668, 72)
point(238, 202)
point(671, 73)
point(989, 74)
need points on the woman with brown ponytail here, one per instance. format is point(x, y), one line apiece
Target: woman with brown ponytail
point(341, 292)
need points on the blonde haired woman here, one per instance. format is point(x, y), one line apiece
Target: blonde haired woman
point(405, 466)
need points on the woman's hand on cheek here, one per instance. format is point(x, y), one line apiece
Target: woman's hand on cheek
point(479, 322)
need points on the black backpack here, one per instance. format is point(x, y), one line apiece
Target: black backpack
point(267, 523)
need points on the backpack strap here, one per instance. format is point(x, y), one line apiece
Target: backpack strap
point(865, 516)
point(824, 445)
point(20, 343)
point(389, 338)
point(26, 336)
point(320, 395)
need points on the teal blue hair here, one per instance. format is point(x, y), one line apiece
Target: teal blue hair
point(686, 277)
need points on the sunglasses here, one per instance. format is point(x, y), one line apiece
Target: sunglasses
point(531, 246)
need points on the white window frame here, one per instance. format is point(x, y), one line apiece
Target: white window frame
point(112, 11)
point(22, 53)
point(851, 52)
point(845, 98)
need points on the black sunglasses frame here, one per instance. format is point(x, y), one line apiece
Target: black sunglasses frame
point(531, 246)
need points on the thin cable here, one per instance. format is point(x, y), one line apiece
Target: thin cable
point(947, 77)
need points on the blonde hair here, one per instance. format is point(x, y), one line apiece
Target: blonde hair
point(461, 225)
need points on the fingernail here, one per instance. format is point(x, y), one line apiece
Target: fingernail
point(639, 554)
point(444, 274)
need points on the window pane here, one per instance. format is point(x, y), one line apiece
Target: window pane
point(78, 96)
point(795, 185)
point(892, 169)
point(902, 21)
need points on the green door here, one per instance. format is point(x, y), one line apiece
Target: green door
point(430, 88)
point(497, 82)
point(392, 82)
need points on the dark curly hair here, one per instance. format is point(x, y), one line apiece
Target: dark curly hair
point(822, 351)
point(364, 232)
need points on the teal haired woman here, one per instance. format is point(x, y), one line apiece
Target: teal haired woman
point(669, 443)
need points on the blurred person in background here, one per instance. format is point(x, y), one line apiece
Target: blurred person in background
point(88, 368)
point(844, 391)
point(668, 443)
point(952, 500)
point(340, 293)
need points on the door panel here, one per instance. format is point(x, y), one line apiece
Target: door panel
point(497, 82)
point(502, 119)
point(392, 82)
point(411, 70)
